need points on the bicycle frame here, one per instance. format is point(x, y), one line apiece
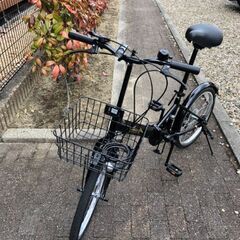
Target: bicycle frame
point(168, 118)
point(179, 94)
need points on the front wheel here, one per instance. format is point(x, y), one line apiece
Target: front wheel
point(200, 104)
point(88, 201)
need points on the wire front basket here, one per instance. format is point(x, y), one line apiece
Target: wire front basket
point(96, 135)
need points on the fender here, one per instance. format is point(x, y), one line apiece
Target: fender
point(190, 98)
point(196, 91)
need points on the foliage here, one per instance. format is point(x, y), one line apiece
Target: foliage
point(51, 26)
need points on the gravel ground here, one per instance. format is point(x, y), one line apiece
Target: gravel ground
point(221, 64)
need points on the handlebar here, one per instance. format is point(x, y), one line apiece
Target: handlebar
point(184, 67)
point(81, 38)
point(102, 42)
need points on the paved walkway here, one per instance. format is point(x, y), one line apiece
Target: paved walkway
point(38, 193)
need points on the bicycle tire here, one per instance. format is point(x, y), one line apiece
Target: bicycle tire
point(87, 204)
point(208, 94)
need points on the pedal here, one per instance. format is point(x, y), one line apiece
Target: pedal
point(174, 170)
point(79, 190)
point(104, 199)
point(157, 151)
point(156, 106)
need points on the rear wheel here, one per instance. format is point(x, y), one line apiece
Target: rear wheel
point(201, 105)
point(87, 204)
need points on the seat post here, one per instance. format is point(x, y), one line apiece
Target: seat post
point(191, 62)
point(194, 55)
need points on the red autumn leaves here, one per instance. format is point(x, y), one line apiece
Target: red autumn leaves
point(51, 26)
point(38, 3)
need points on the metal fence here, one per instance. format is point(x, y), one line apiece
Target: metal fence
point(15, 40)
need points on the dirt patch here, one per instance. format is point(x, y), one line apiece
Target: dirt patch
point(48, 99)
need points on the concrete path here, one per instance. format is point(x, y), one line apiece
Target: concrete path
point(38, 192)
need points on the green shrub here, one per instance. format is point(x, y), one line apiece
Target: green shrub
point(51, 26)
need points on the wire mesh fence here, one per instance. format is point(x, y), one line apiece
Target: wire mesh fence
point(15, 40)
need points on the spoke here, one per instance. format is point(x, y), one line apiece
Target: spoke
point(201, 107)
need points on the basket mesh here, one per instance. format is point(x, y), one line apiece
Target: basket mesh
point(84, 137)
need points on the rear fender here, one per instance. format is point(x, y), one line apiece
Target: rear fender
point(189, 100)
point(196, 91)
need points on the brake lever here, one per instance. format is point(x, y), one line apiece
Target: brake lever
point(101, 39)
point(92, 50)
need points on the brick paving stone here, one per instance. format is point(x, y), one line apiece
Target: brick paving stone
point(197, 230)
point(122, 212)
point(138, 184)
point(152, 162)
point(105, 214)
point(172, 193)
point(191, 207)
point(28, 151)
point(47, 237)
point(186, 184)
point(63, 219)
point(103, 230)
point(139, 198)
point(20, 164)
point(29, 223)
point(122, 230)
point(214, 223)
point(153, 180)
point(199, 177)
point(120, 198)
point(228, 171)
point(37, 163)
point(11, 156)
point(219, 187)
point(234, 233)
point(156, 206)
point(42, 150)
point(160, 230)
point(124, 187)
point(223, 199)
point(206, 197)
point(52, 151)
point(46, 226)
point(4, 148)
point(140, 222)
point(215, 178)
point(234, 188)
point(103, 222)
point(177, 222)
point(229, 217)
point(62, 238)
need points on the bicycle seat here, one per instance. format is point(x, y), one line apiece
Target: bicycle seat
point(204, 35)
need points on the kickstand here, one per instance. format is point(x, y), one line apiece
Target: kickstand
point(171, 168)
point(208, 133)
point(157, 148)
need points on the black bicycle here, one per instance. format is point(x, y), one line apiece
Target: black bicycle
point(104, 139)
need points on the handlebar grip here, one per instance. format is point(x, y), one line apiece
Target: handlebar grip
point(184, 67)
point(81, 38)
